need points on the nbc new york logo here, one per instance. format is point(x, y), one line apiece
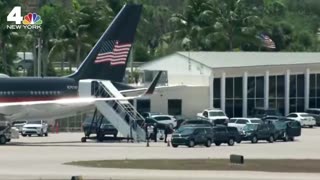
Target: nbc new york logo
point(30, 21)
point(32, 18)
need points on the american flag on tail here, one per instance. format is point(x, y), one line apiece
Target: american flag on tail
point(114, 52)
point(267, 41)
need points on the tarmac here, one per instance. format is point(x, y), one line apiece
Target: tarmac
point(44, 158)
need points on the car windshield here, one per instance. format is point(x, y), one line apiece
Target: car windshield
point(250, 127)
point(232, 120)
point(34, 122)
point(256, 121)
point(185, 130)
point(216, 113)
point(19, 122)
point(162, 118)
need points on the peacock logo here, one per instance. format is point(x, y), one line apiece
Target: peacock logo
point(32, 18)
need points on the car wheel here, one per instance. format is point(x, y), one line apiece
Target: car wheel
point(174, 145)
point(208, 143)
point(24, 135)
point(83, 139)
point(239, 141)
point(3, 139)
point(29, 135)
point(231, 142)
point(41, 133)
point(100, 138)
point(46, 134)
point(254, 139)
point(271, 139)
point(217, 143)
point(285, 137)
point(311, 126)
point(191, 143)
point(115, 135)
point(291, 138)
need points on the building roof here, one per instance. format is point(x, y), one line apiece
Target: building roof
point(246, 59)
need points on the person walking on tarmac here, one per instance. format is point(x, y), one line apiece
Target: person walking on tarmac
point(155, 132)
point(168, 130)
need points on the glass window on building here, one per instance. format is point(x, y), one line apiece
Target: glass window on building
point(260, 87)
point(314, 93)
point(255, 93)
point(272, 87)
point(229, 88)
point(143, 105)
point(217, 92)
point(251, 87)
point(297, 93)
point(175, 106)
point(234, 97)
point(229, 108)
point(276, 93)
point(238, 87)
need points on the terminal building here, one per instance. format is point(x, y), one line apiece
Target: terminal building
point(236, 82)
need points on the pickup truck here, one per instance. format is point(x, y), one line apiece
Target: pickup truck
point(215, 116)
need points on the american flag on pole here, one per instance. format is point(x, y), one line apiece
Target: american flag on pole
point(267, 41)
point(114, 52)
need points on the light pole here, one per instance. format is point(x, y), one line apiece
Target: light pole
point(39, 58)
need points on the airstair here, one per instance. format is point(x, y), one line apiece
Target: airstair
point(120, 113)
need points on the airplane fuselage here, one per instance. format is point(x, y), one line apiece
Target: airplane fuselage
point(20, 89)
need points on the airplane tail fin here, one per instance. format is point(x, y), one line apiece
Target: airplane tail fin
point(109, 57)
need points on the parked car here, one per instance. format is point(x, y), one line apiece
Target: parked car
point(286, 129)
point(106, 128)
point(304, 118)
point(166, 119)
point(314, 113)
point(39, 128)
point(215, 116)
point(256, 132)
point(197, 122)
point(224, 134)
point(149, 114)
point(262, 113)
point(239, 123)
point(191, 136)
point(19, 125)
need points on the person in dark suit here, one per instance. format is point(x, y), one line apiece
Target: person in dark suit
point(155, 132)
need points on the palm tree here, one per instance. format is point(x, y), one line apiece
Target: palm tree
point(236, 21)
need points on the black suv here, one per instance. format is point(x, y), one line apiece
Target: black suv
point(191, 136)
point(256, 132)
point(106, 128)
point(224, 134)
point(286, 129)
